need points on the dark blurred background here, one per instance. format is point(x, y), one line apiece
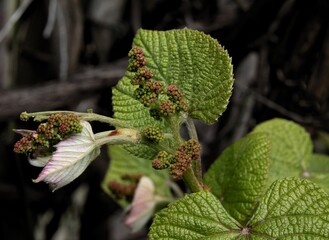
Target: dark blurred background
point(67, 54)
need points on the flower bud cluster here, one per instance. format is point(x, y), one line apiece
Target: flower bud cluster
point(126, 190)
point(148, 90)
point(184, 156)
point(141, 76)
point(177, 97)
point(136, 59)
point(162, 160)
point(58, 127)
point(152, 134)
point(178, 163)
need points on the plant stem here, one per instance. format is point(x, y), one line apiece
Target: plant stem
point(193, 134)
point(40, 116)
point(191, 180)
point(119, 136)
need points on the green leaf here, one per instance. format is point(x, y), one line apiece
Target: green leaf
point(291, 146)
point(193, 61)
point(196, 216)
point(292, 209)
point(317, 170)
point(238, 176)
point(122, 163)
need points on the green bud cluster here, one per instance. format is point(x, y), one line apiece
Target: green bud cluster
point(152, 134)
point(148, 90)
point(178, 163)
point(42, 141)
point(162, 160)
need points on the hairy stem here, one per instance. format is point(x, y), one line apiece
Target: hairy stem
point(191, 180)
point(193, 134)
point(119, 136)
point(41, 116)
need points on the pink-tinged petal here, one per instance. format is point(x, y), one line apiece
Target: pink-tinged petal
point(71, 158)
point(143, 204)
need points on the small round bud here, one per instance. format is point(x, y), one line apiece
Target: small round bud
point(184, 156)
point(155, 86)
point(137, 59)
point(162, 160)
point(167, 108)
point(142, 75)
point(152, 134)
point(177, 97)
point(24, 145)
point(147, 98)
point(24, 116)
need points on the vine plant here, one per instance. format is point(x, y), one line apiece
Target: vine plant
point(256, 189)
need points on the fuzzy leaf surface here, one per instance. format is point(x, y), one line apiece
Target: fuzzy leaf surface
point(238, 176)
point(193, 61)
point(122, 163)
point(196, 216)
point(291, 146)
point(292, 209)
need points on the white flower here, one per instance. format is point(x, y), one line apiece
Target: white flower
point(71, 158)
point(143, 204)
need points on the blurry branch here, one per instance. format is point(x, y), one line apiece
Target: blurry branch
point(57, 94)
point(52, 11)
point(63, 44)
point(308, 120)
point(14, 18)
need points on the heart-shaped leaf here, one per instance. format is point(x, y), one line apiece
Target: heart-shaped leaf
point(291, 146)
point(291, 209)
point(190, 59)
point(238, 176)
point(196, 216)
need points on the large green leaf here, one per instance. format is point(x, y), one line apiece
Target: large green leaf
point(291, 146)
point(238, 176)
point(123, 163)
point(196, 216)
point(194, 61)
point(317, 170)
point(292, 209)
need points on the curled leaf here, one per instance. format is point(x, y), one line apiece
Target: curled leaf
point(71, 158)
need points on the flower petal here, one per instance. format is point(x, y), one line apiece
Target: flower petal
point(39, 161)
point(143, 204)
point(71, 158)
